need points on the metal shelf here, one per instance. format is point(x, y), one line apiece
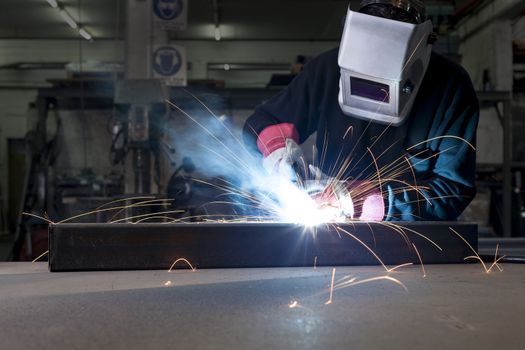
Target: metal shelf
point(504, 97)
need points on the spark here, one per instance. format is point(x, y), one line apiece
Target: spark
point(125, 200)
point(396, 169)
point(331, 288)
point(293, 304)
point(154, 202)
point(101, 209)
point(408, 186)
point(476, 255)
point(111, 209)
point(39, 217)
point(350, 279)
point(146, 215)
point(412, 55)
point(168, 283)
point(345, 168)
point(415, 184)
point(392, 269)
point(355, 282)
point(420, 260)
point(183, 260)
point(324, 151)
point(377, 169)
point(442, 137)
point(389, 270)
point(167, 219)
point(392, 225)
point(231, 189)
point(40, 256)
point(495, 263)
point(366, 247)
point(289, 202)
point(350, 129)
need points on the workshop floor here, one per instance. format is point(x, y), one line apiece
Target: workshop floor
point(454, 307)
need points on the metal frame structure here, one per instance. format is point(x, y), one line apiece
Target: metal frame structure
point(504, 97)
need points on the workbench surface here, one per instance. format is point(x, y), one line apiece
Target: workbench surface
point(454, 307)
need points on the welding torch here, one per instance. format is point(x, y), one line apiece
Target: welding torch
point(328, 192)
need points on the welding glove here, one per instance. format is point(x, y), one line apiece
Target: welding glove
point(285, 161)
point(358, 200)
point(333, 192)
point(368, 200)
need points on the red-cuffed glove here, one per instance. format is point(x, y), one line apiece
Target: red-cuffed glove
point(281, 161)
point(278, 145)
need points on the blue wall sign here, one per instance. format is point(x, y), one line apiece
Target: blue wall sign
point(168, 9)
point(167, 61)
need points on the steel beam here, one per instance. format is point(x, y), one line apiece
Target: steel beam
point(76, 247)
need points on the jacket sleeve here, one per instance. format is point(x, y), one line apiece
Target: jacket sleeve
point(443, 167)
point(295, 105)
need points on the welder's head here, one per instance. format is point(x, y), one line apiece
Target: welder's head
point(383, 56)
point(409, 11)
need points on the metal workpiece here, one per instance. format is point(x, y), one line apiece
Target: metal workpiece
point(510, 250)
point(78, 247)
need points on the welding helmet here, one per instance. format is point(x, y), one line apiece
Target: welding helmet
point(383, 56)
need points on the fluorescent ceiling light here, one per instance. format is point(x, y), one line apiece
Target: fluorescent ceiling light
point(218, 34)
point(68, 19)
point(85, 34)
point(52, 3)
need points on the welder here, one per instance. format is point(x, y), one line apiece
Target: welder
point(384, 107)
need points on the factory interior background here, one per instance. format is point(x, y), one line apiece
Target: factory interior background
point(83, 120)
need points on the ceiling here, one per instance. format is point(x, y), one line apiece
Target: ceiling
point(239, 19)
point(36, 19)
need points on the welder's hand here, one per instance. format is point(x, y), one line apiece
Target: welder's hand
point(358, 200)
point(282, 161)
point(334, 192)
point(368, 201)
point(373, 208)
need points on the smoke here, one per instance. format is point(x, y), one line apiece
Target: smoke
point(215, 145)
point(233, 172)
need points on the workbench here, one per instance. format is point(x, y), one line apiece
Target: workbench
point(453, 307)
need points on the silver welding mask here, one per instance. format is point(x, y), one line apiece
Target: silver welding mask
point(382, 63)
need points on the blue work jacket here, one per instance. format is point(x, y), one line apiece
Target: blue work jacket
point(426, 167)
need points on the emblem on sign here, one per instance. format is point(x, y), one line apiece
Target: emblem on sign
point(168, 9)
point(167, 61)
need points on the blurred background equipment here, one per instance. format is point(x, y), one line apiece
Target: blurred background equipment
point(84, 84)
point(142, 103)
